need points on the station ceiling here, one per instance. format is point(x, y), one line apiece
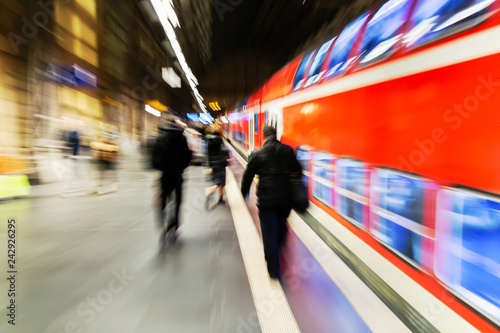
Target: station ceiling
point(233, 46)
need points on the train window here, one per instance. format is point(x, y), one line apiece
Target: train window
point(339, 60)
point(240, 138)
point(323, 176)
point(434, 19)
point(256, 122)
point(303, 156)
point(301, 71)
point(351, 189)
point(397, 203)
point(467, 250)
point(383, 30)
point(315, 74)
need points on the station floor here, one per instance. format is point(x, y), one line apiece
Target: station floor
point(93, 263)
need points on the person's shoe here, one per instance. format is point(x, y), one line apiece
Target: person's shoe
point(163, 236)
point(172, 235)
point(221, 201)
point(275, 276)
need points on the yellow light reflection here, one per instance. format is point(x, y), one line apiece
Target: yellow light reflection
point(89, 6)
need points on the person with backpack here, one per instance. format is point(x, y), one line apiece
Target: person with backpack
point(171, 155)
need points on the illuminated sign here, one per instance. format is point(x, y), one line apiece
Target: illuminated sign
point(84, 77)
point(194, 117)
point(215, 106)
point(152, 110)
point(74, 76)
point(206, 118)
point(155, 104)
point(171, 77)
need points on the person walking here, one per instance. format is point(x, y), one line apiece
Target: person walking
point(274, 163)
point(171, 156)
point(107, 153)
point(217, 156)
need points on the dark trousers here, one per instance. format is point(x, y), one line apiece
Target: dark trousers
point(274, 229)
point(166, 191)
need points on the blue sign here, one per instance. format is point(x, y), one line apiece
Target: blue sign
point(206, 118)
point(74, 76)
point(194, 117)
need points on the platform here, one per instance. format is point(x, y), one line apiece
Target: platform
point(93, 264)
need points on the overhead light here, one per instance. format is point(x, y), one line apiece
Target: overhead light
point(152, 110)
point(166, 14)
point(215, 106)
point(169, 76)
point(157, 105)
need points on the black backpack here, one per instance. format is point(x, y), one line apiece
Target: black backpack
point(170, 155)
point(159, 155)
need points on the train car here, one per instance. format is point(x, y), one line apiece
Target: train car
point(239, 128)
point(253, 111)
point(395, 121)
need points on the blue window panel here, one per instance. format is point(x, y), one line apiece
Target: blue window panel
point(402, 195)
point(404, 198)
point(468, 248)
point(434, 19)
point(322, 192)
point(383, 30)
point(339, 57)
point(256, 118)
point(353, 176)
point(315, 74)
point(319, 190)
point(353, 179)
point(352, 209)
point(320, 171)
point(298, 81)
point(240, 138)
point(303, 157)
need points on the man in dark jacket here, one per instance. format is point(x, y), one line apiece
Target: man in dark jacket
point(171, 155)
point(274, 163)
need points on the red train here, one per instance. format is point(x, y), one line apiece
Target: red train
point(396, 122)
